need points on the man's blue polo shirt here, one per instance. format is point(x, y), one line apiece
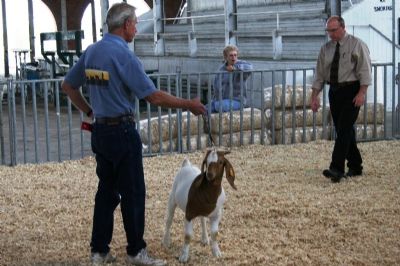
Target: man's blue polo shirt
point(114, 76)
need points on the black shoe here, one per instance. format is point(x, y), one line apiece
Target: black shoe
point(333, 174)
point(354, 172)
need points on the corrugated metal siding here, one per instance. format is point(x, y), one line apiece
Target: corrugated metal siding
point(144, 45)
point(301, 48)
point(379, 47)
point(364, 14)
point(207, 5)
point(256, 47)
point(210, 48)
point(360, 16)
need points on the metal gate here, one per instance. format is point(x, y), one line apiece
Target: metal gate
point(396, 113)
point(39, 124)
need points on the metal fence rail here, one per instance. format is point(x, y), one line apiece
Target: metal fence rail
point(39, 124)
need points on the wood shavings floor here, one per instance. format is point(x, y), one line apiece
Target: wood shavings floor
point(283, 213)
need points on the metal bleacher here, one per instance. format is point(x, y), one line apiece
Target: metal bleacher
point(300, 25)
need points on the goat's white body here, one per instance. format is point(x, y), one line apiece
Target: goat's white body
point(179, 197)
point(183, 181)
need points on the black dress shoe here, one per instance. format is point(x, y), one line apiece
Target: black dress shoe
point(354, 172)
point(333, 174)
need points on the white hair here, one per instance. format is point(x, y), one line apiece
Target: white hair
point(118, 14)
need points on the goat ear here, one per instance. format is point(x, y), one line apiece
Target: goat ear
point(203, 165)
point(230, 174)
point(198, 180)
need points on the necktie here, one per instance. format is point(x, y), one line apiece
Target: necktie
point(335, 66)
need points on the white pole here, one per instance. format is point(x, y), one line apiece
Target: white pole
point(277, 21)
point(104, 8)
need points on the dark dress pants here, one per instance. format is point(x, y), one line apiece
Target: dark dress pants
point(344, 115)
point(118, 151)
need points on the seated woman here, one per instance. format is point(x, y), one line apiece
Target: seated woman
point(222, 82)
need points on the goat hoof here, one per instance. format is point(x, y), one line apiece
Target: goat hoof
point(205, 242)
point(217, 253)
point(184, 258)
point(166, 242)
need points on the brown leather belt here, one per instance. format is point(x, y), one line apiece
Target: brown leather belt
point(345, 84)
point(113, 121)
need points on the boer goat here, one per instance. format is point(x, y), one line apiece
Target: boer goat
point(199, 193)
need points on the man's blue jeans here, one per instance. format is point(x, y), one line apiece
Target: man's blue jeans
point(118, 151)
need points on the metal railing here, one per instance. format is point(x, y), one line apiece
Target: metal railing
point(38, 123)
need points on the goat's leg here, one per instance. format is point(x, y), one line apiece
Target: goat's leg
point(168, 221)
point(204, 234)
point(184, 257)
point(214, 223)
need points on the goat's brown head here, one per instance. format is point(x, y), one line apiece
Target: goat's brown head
point(215, 163)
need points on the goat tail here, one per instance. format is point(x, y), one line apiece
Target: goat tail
point(186, 162)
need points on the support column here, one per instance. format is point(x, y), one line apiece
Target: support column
point(158, 14)
point(94, 31)
point(277, 41)
point(336, 7)
point(64, 27)
point(395, 78)
point(31, 31)
point(104, 8)
point(192, 41)
point(230, 22)
point(5, 39)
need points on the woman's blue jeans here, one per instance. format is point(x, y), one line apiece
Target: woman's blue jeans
point(225, 105)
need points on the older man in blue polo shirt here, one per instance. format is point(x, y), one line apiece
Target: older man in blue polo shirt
point(115, 76)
